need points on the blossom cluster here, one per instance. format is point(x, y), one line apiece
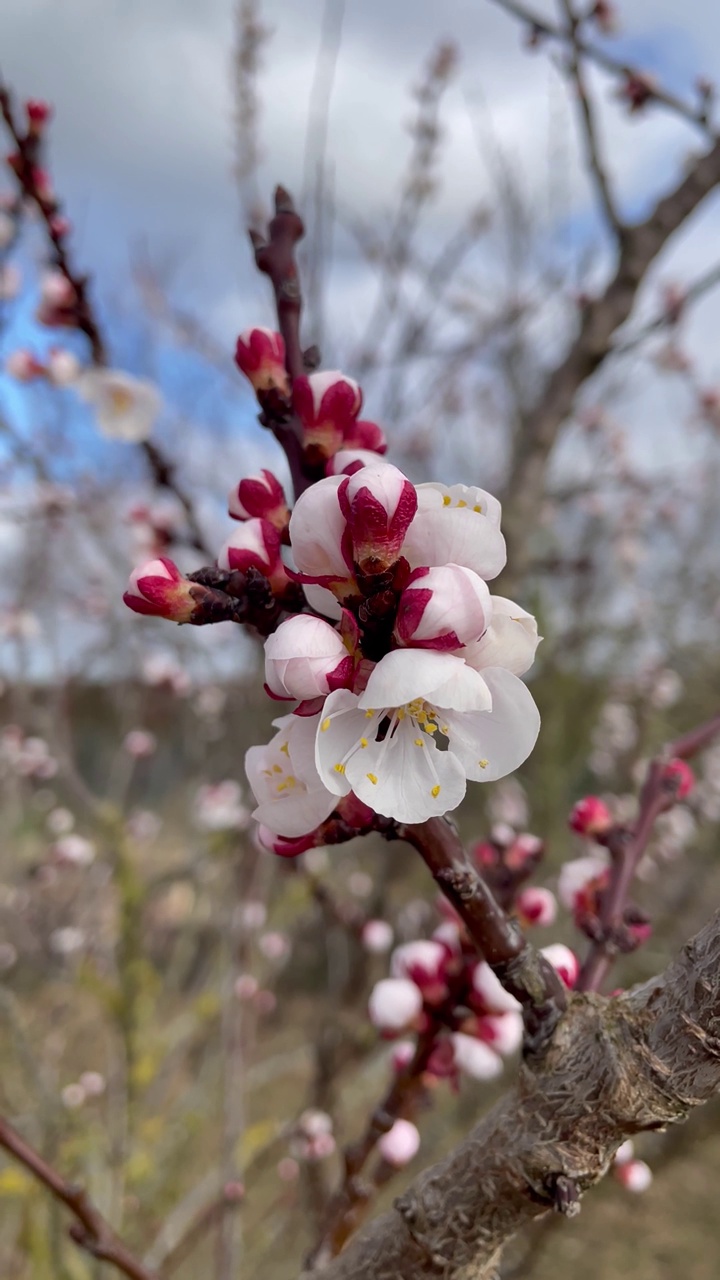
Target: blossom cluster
point(400, 671)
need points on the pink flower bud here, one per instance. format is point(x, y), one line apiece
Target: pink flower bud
point(424, 962)
point(287, 846)
point(503, 1032)
point(400, 1144)
point(403, 1052)
point(681, 775)
point(365, 435)
point(635, 1175)
point(474, 1058)
point(62, 367)
point(564, 961)
point(38, 111)
point(536, 906)
point(260, 355)
point(56, 290)
point(306, 658)
point(490, 991)
point(443, 608)
point(158, 588)
point(377, 937)
point(347, 461)
point(327, 405)
point(256, 544)
point(394, 1004)
point(140, 744)
point(575, 875)
point(23, 366)
point(260, 496)
point(379, 504)
point(591, 817)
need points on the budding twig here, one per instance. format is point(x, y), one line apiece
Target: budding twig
point(627, 846)
point(26, 167)
point(524, 973)
point(90, 1231)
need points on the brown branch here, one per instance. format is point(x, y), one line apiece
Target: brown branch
point(627, 846)
point(614, 1068)
point(522, 971)
point(90, 1231)
point(539, 25)
point(600, 320)
point(591, 141)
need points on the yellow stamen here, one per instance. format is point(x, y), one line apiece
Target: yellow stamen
point(325, 725)
point(445, 728)
point(478, 508)
point(431, 727)
point(462, 502)
point(276, 768)
point(372, 778)
point(483, 764)
point(285, 749)
point(447, 500)
point(339, 768)
point(435, 792)
point(419, 742)
point(369, 715)
point(363, 742)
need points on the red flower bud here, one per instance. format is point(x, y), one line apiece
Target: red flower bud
point(38, 111)
point(327, 405)
point(260, 355)
point(260, 496)
point(365, 435)
point(681, 775)
point(158, 588)
point(590, 817)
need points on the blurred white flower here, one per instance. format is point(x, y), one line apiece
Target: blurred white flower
point(126, 407)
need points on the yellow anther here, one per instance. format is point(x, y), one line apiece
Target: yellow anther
point(445, 728)
point(401, 713)
point(372, 778)
point(363, 742)
point(447, 500)
point(483, 764)
point(285, 749)
point(478, 508)
point(435, 791)
point(339, 768)
point(431, 727)
point(325, 724)
point(369, 714)
point(277, 768)
point(419, 742)
point(462, 502)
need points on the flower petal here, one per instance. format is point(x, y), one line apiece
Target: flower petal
point(406, 674)
point(405, 777)
point(343, 728)
point(491, 744)
point(510, 641)
point(445, 534)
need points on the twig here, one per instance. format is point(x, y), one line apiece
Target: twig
point(695, 115)
point(589, 126)
point(627, 846)
point(90, 1232)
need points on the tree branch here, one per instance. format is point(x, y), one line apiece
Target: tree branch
point(601, 318)
point(90, 1231)
point(614, 1068)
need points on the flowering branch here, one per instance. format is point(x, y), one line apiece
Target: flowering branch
point(628, 844)
point(651, 1055)
point(90, 1231)
point(34, 184)
point(524, 973)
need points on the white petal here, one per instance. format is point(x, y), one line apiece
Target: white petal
point(442, 534)
point(316, 530)
point(296, 815)
point(342, 728)
point(491, 744)
point(406, 781)
point(406, 674)
point(510, 641)
point(471, 496)
point(323, 601)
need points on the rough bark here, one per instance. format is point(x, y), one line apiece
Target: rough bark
point(640, 245)
point(614, 1068)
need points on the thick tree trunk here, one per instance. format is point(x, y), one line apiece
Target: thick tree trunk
point(612, 1069)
